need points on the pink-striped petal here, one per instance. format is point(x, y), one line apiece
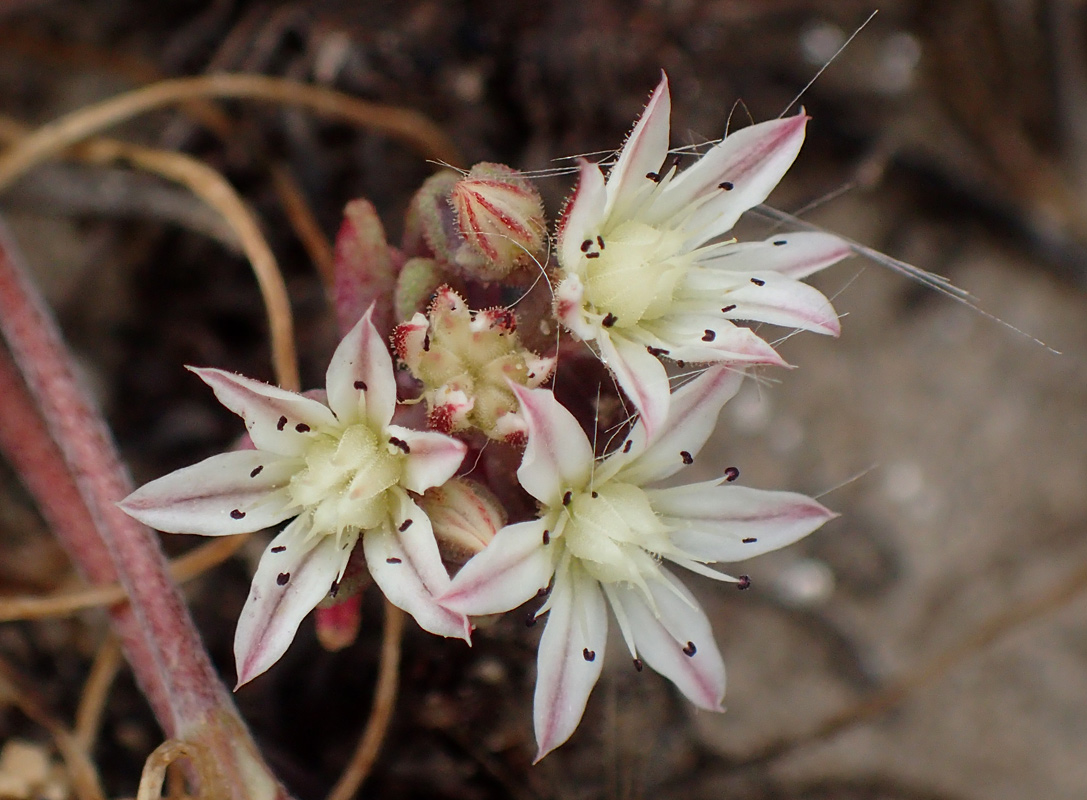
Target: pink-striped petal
point(584, 212)
point(511, 570)
point(570, 657)
point(278, 421)
point(768, 297)
point(644, 151)
point(360, 380)
point(396, 575)
point(640, 375)
point(717, 523)
point(237, 492)
point(691, 419)
point(558, 457)
point(432, 458)
point(739, 173)
point(677, 640)
point(794, 255)
point(294, 575)
point(709, 339)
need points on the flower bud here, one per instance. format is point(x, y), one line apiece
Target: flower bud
point(499, 217)
point(466, 361)
point(465, 516)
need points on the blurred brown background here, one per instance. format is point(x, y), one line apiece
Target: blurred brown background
point(952, 135)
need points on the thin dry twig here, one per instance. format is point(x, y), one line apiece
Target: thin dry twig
point(362, 760)
point(306, 228)
point(92, 702)
point(413, 128)
point(1016, 615)
point(182, 569)
point(84, 776)
point(211, 187)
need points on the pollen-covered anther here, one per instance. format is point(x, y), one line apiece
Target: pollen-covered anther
point(499, 217)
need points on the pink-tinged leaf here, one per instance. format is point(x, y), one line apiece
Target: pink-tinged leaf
point(395, 574)
point(751, 161)
point(731, 523)
point(237, 492)
point(558, 457)
point(794, 255)
point(570, 657)
point(279, 421)
point(692, 417)
point(640, 375)
point(709, 339)
point(679, 642)
point(360, 380)
point(643, 152)
point(509, 571)
point(294, 574)
point(365, 268)
point(432, 458)
point(775, 299)
point(582, 214)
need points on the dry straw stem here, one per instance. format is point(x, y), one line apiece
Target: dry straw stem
point(88, 716)
point(362, 760)
point(211, 187)
point(154, 770)
point(305, 225)
point(81, 770)
point(63, 604)
point(1016, 615)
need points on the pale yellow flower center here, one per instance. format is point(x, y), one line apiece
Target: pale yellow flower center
point(633, 276)
point(615, 533)
point(345, 481)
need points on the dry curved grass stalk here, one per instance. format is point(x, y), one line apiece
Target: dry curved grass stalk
point(211, 187)
point(306, 227)
point(182, 569)
point(362, 760)
point(413, 128)
point(92, 702)
point(154, 770)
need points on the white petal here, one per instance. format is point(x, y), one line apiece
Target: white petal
point(570, 309)
point(570, 657)
point(558, 457)
point(644, 150)
point(733, 523)
point(509, 571)
point(395, 573)
point(794, 255)
point(583, 213)
point(640, 375)
point(294, 575)
point(278, 421)
point(238, 492)
point(691, 419)
point(781, 301)
point(679, 643)
point(708, 339)
point(752, 160)
point(360, 377)
point(432, 458)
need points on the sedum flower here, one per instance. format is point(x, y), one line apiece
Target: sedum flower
point(602, 538)
point(343, 471)
point(644, 272)
point(466, 361)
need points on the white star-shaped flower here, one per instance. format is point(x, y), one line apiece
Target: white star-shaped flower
point(601, 539)
point(645, 273)
point(343, 471)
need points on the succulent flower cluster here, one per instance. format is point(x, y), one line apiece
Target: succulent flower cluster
point(644, 274)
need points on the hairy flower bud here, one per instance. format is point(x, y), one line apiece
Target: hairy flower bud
point(500, 218)
point(465, 516)
point(466, 361)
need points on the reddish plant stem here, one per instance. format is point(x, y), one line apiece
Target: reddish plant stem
point(161, 642)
